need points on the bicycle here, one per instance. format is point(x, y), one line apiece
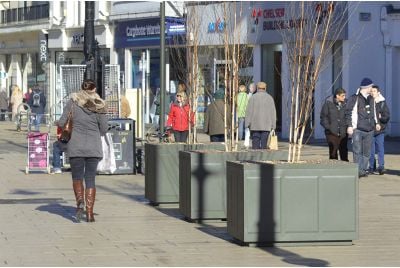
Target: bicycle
point(153, 135)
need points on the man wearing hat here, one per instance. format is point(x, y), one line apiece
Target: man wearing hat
point(361, 123)
point(260, 116)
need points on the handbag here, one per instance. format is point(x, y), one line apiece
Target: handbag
point(107, 165)
point(272, 140)
point(66, 131)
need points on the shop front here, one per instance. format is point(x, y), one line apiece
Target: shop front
point(66, 49)
point(137, 43)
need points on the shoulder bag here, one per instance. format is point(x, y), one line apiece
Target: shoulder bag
point(67, 128)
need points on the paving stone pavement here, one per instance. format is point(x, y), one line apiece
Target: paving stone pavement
point(37, 226)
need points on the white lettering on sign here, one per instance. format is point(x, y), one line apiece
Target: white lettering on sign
point(142, 30)
point(43, 50)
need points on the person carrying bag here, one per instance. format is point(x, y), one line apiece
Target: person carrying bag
point(84, 148)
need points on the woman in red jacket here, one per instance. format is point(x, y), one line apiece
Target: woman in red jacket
point(178, 117)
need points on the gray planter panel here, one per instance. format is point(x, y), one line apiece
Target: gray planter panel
point(292, 203)
point(202, 178)
point(162, 170)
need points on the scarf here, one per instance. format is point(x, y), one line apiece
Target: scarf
point(90, 101)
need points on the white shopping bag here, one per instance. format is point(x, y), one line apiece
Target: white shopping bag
point(247, 137)
point(107, 164)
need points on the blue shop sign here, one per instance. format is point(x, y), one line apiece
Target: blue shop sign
point(146, 32)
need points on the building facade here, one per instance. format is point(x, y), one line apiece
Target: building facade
point(36, 38)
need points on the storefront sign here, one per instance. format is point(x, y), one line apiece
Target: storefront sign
point(43, 48)
point(216, 27)
point(146, 32)
point(274, 19)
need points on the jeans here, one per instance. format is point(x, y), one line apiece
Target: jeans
point(259, 139)
point(362, 142)
point(336, 143)
point(84, 168)
point(36, 119)
point(181, 136)
point(57, 152)
point(377, 146)
point(217, 138)
point(241, 128)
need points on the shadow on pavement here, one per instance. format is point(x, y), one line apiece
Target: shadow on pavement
point(295, 259)
point(218, 232)
point(172, 212)
point(24, 192)
point(67, 212)
point(392, 172)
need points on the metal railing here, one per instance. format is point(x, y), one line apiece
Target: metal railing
point(31, 13)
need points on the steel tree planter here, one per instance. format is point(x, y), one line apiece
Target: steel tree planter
point(162, 170)
point(293, 203)
point(202, 180)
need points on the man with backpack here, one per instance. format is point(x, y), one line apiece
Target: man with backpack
point(37, 103)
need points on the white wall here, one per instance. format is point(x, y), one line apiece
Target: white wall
point(363, 53)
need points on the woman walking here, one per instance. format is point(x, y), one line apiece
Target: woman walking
point(15, 100)
point(84, 148)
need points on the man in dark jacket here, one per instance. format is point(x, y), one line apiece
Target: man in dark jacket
point(361, 123)
point(333, 119)
point(378, 141)
point(37, 103)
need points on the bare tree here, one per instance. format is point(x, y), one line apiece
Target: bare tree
point(235, 52)
point(309, 32)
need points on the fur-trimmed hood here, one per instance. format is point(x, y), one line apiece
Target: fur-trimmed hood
point(90, 101)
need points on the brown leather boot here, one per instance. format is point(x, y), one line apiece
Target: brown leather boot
point(80, 201)
point(90, 195)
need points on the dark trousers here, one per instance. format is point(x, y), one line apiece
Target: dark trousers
point(217, 138)
point(362, 141)
point(336, 143)
point(3, 114)
point(84, 168)
point(259, 139)
point(181, 136)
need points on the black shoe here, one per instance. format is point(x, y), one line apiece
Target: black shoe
point(363, 175)
point(381, 171)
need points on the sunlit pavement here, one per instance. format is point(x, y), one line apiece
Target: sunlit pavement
point(37, 225)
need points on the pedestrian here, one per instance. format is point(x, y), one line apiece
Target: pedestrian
point(252, 90)
point(179, 117)
point(27, 95)
point(15, 101)
point(125, 107)
point(37, 103)
point(3, 104)
point(84, 148)
point(378, 140)
point(333, 119)
point(58, 149)
point(214, 118)
point(167, 105)
point(361, 123)
point(241, 103)
point(260, 116)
